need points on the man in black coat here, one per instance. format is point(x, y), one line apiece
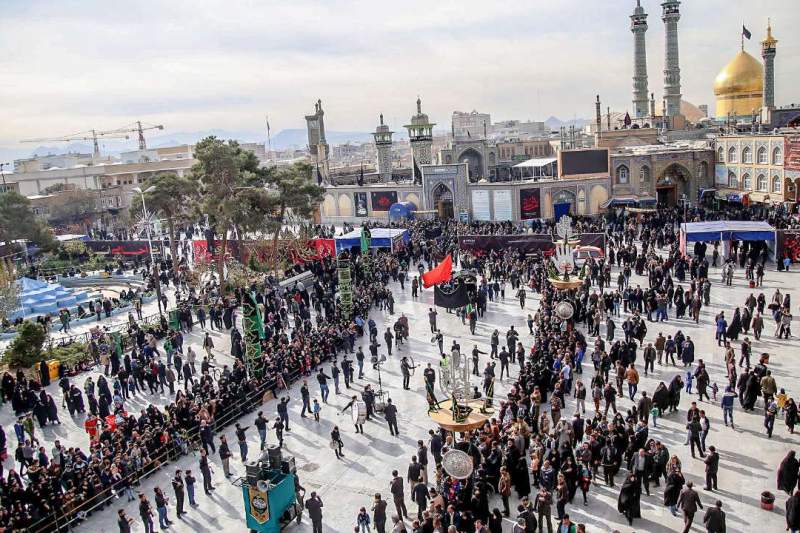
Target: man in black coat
point(390, 412)
point(714, 519)
point(712, 466)
point(314, 507)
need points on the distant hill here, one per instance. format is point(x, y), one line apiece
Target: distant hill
point(555, 123)
point(298, 138)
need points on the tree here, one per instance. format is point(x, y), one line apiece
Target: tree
point(295, 194)
point(26, 348)
point(74, 206)
point(232, 193)
point(74, 248)
point(169, 200)
point(9, 290)
point(17, 221)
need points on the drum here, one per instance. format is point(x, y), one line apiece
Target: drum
point(359, 412)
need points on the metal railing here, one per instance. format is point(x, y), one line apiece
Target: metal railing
point(60, 521)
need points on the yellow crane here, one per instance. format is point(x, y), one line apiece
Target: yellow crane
point(91, 135)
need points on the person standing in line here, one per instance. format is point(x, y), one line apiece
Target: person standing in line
point(314, 506)
point(261, 426)
point(146, 512)
point(689, 502)
point(420, 496)
point(161, 506)
point(283, 412)
point(225, 455)
point(190, 480)
point(396, 488)
point(390, 412)
point(205, 470)
point(178, 488)
point(422, 458)
point(241, 438)
point(124, 521)
point(208, 345)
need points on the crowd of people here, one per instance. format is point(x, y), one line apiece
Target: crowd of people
point(529, 452)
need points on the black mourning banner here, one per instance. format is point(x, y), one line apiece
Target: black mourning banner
point(383, 200)
point(529, 204)
point(458, 292)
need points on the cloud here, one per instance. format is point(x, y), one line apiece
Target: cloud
point(73, 65)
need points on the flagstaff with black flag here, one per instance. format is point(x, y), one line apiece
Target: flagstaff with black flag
point(745, 35)
point(319, 175)
point(417, 172)
point(361, 176)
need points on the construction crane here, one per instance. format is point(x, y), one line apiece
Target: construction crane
point(91, 135)
point(138, 127)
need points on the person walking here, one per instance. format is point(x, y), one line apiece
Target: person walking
point(390, 412)
point(336, 442)
point(178, 488)
point(379, 513)
point(314, 506)
point(396, 488)
point(712, 466)
point(689, 502)
point(714, 519)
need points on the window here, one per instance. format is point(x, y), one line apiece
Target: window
point(622, 174)
point(720, 155)
point(732, 154)
point(644, 178)
point(761, 182)
point(581, 202)
point(761, 156)
point(776, 184)
point(746, 182)
point(733, 183)
point(747, 155)
point(777, 156)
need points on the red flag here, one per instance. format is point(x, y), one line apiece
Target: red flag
point(440, 274)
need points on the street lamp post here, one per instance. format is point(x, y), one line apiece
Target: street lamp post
point(156, 279)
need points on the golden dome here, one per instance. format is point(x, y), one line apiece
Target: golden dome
point(739, 87)
point(744, 74)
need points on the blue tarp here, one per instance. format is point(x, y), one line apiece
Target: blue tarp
point(402, 210)
point(381, 238)
point(726, 230)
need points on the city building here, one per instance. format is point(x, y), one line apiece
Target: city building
point(473, 125)
point(751, 168)
point(668, 174)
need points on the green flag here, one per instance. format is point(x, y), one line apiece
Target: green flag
point(365, 238)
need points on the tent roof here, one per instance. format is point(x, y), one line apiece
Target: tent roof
point(536, 162)
point(725, 230)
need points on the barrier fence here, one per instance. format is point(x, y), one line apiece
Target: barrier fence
point(65, 520)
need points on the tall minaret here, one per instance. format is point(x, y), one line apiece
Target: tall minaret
point(672, 70)
point(638, 28)
point(420, 135)
point(768, 51)
point(383, 145)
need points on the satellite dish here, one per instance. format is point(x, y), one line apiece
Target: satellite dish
point(262, 485)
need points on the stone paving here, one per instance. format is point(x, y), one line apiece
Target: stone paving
point(748, 459)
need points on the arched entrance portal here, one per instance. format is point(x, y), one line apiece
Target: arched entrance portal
point(474, 161)
point(443, 201)
point(672, 185)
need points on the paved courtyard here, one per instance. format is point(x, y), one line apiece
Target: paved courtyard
point(748, 458)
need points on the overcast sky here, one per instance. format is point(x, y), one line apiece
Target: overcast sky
point(72, 65)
